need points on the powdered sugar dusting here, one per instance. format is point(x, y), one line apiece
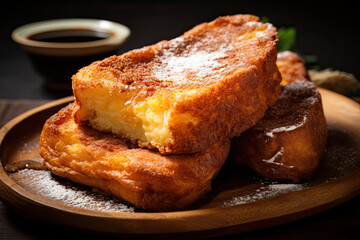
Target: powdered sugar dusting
point(190, 63)
point(272, 160)
point(286, 128)
point(207, 57)
point(200, 62)
point(265, 191)
point(45, 185)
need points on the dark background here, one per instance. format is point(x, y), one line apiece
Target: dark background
point(329, 31)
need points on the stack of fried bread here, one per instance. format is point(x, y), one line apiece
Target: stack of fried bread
point(288, 143)
point(153, 126)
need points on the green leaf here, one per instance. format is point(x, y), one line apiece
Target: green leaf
point(287, 38)
point(264, 19)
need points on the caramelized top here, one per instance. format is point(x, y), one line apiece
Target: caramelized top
point(199, 57)
point(292, 108)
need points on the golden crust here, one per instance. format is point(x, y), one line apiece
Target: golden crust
point(291, 67)
point(141, 177)
point(225, 100)
point(288, 143)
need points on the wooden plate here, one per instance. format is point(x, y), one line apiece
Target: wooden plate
point(238, 201)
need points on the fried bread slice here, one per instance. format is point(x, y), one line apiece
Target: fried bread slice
point(288, 143)
point(182, 95)
point(142, 177)
point(291, 67)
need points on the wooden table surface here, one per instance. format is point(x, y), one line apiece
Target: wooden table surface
point(341, 222)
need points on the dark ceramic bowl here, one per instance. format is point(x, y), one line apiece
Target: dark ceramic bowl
point(59, 48)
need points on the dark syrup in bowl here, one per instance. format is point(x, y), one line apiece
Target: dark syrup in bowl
point(70, 36)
